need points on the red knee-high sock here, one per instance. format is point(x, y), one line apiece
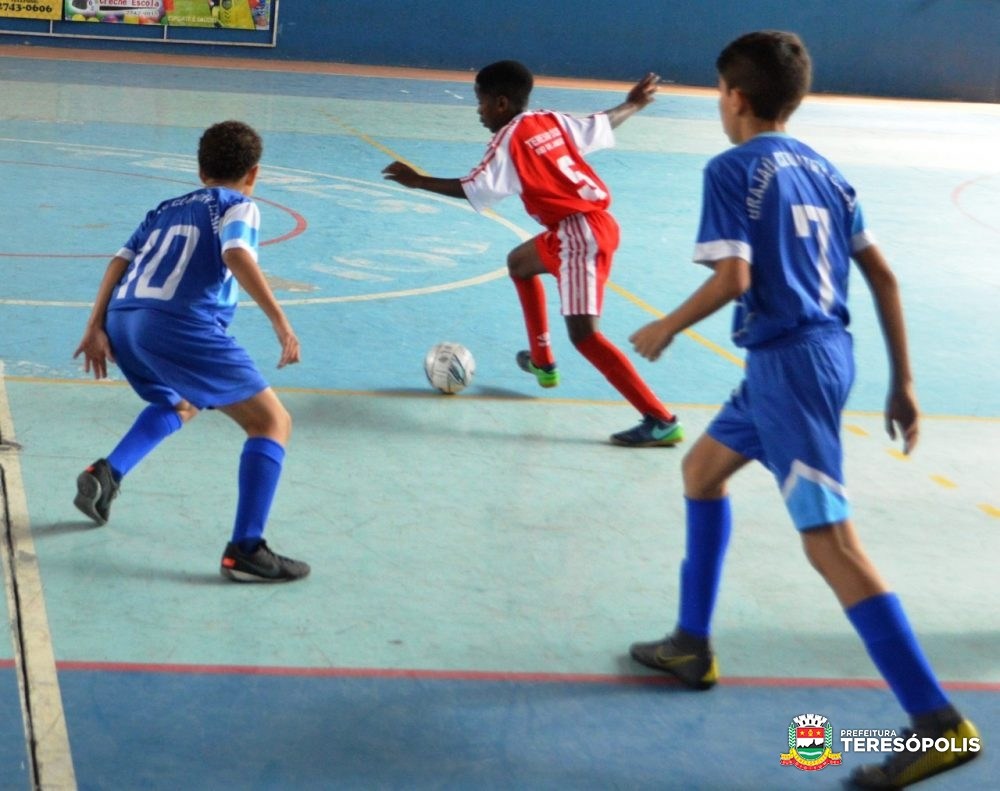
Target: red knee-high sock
point(617, 369)
point(531, 292)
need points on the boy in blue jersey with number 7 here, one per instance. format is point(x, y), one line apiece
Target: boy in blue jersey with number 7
point(162, 312)
point(779, 228)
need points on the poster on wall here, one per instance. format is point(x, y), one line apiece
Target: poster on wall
point(236, 14)
point(31, 9)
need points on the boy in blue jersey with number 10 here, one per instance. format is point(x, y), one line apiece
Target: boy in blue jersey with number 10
point(779, 228)
point(162, 312)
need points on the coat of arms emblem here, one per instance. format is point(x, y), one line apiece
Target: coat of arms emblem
point(810, 743)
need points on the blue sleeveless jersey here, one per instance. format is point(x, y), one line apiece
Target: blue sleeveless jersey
point(175, 256)
point(789, 213)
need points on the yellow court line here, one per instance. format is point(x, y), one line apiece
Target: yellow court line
point(403, 393)
point(373, 142)
point(690, 333)
point(695, 336)
point(635, 300)
point(396, 393)
point(366, 138)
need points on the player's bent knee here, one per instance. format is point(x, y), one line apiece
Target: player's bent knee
point(286, 424)
point(580, 328)
point(523, 261)
point(275, 423)
point(516, 270)
point(280, 419)
point(699, 483)
point(263, 415)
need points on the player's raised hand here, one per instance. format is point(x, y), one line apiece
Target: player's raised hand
point(642, 93)
point(903, 415)
point(638, 97)
point(96, 350)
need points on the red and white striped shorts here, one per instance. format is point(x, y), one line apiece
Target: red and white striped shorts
point(579, 253)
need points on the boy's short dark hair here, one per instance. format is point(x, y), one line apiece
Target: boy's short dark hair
point(507, 78)
point(228, 150)
point(771, 68)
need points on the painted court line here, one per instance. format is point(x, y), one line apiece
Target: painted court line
point(513, 677)
point(49, 759)
point(691, 333)
point(525, 235)
point(940, 480)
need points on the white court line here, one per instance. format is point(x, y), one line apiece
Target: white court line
point(381, 186)
point(50, 761)
point(408, 292)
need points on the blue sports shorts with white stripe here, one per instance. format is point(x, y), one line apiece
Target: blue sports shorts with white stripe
point(786, 413)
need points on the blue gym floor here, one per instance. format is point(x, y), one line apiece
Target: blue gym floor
point(480, 562)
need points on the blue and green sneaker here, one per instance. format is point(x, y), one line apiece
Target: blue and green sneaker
point(547, 375)
point(650, 433)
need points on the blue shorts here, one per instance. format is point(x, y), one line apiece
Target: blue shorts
point(168, 359)
point(786, 414)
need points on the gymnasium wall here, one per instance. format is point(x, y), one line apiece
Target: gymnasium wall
point(942, 49)
point(947, 49)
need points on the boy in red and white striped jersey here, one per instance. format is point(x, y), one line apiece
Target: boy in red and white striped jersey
point(539, 155)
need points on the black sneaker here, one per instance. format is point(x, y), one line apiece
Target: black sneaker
point(695, 667)
point(906, 768)
point(261, 565)
point(96, 487)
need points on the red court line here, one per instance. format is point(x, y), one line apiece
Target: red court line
point(487, 675)
point(956, 198)
point(301, 224)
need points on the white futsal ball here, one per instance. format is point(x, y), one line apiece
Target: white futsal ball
point(449, 367)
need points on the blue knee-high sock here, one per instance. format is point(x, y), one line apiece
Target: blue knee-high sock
point(154, 424)
point(260, 469)
point(709, 524)
point(892, 645)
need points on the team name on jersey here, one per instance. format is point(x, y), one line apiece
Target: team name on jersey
point(546, 141)
point(201, 196)
point(768, 167)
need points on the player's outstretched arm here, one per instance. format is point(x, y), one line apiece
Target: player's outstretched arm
point(95, 346)
point(403, 174)
point(730, 278)
point(641, 95)
point(241, 263)
point(901, 411)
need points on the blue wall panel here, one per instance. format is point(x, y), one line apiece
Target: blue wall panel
point(913, 48)
point(942, 49)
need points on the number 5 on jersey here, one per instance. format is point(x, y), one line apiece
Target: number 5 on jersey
point(587, 190)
